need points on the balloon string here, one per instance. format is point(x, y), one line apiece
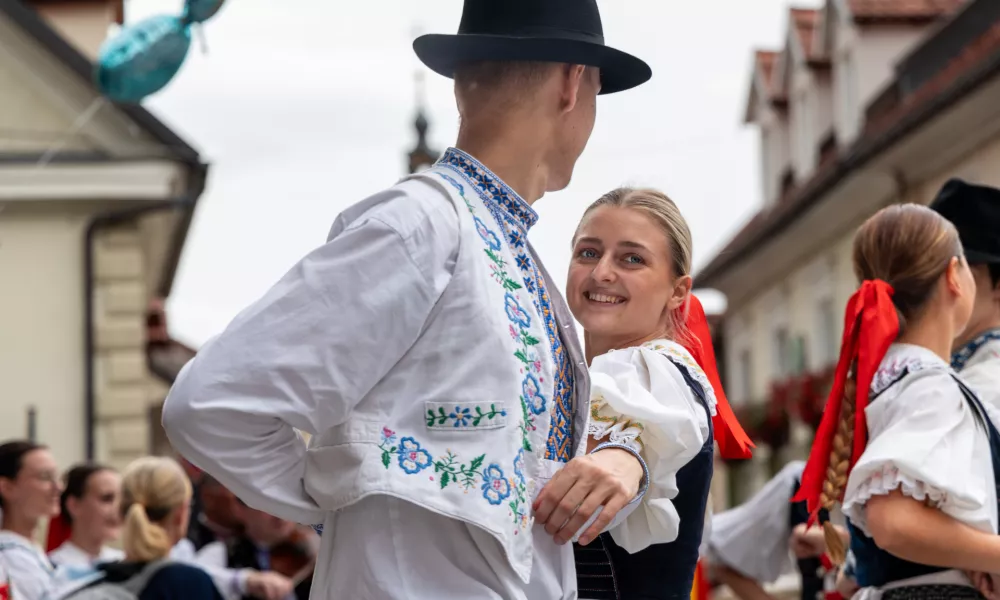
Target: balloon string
point(77, 125)
point(202, 40)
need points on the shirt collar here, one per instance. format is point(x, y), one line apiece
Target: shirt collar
point(491, 187)
point(962, 356)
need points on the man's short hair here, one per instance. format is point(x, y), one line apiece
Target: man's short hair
point(499, 84)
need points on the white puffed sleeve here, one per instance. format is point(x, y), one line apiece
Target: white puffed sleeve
point(752, 538)
point(925, 440)
point(640, 399)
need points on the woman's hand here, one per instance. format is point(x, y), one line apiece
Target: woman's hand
point(609, 478)
point(986, 583)
point(807, 542)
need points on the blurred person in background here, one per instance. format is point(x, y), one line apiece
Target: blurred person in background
point(90, 512)
point(215, 519)
point(766, 537)
point(155, 504)
point(29, 493)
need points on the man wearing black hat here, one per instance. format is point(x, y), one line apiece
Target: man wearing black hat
point(427, 351)
point(975, 212)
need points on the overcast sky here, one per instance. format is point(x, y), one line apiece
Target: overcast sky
point(304, 107)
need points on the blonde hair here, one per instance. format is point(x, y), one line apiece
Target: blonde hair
point(153, 487)
point(665, 213)
point(908, 246)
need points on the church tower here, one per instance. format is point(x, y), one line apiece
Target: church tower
point(421, 157)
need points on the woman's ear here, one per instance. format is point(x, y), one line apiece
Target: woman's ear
point(953, 275)
point(72, 506)
point(681, 291)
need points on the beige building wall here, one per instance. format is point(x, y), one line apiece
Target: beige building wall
point(41, 327)
point(42, 349)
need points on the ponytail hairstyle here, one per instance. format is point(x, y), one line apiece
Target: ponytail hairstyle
point(153, 488)
point(899, 256)
point(664, 212)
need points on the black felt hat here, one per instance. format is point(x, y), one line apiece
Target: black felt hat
point(563, 31)
point(974, 210)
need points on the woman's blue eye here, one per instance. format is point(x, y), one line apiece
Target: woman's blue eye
point(588, 253)
point(634, 259)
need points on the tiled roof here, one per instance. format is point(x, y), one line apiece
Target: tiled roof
point(967, 69)
point(806, 21)
point(876, 10)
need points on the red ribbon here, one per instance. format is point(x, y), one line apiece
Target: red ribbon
point(733, 441)
point(59, 532)
point(870, 327)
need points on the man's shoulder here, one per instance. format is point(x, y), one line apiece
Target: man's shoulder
point(413, 207)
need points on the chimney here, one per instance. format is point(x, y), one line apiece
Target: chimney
point(83, 23)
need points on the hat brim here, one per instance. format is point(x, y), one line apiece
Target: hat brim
point(619, 70)
point(976, 257)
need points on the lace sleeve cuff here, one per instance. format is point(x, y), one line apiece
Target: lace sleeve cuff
point(618, 429)
point(883, 481)
point(644, 483)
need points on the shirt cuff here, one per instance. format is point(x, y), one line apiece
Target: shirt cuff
point(644, 484)
point(240, 580)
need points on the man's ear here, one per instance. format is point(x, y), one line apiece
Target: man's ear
point(572, 79)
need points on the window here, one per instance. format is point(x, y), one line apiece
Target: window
point(804, 131)
point(746, 375)
point(847, 92)
point(827, 327)
point(767, 177)
point(782, 354)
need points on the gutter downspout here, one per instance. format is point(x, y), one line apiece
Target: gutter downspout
point(98, 222)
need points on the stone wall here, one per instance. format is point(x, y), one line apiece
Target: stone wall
point(122, 382)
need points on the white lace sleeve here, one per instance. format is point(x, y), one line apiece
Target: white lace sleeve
point(925, 440)
point(640, 398)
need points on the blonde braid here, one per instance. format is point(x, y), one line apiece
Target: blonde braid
point(837, 470)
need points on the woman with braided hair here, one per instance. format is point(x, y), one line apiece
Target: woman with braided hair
point(904, 445)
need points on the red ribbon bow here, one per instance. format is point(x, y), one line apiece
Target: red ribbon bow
point(871, 325)
point(733, 441)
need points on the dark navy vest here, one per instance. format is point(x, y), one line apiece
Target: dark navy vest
point(604, 571)
point(875, 567)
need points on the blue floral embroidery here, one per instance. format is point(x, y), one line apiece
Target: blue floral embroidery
point(532, 394)
point(413, 458)
point(491, 239)
point(515, 217)
point(519, 466)
point(515, 313)
point(465, 417)
point(461, 416)
point(495, 487)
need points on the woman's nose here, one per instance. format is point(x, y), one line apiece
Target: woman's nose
point(604, 270)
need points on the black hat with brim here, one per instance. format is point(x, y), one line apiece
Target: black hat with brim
point(974, 210)
point(556, 31)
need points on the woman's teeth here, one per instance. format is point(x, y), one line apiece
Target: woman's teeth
point(604, 298)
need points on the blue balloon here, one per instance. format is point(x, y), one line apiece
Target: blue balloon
point(198, 11)
point(142, 58)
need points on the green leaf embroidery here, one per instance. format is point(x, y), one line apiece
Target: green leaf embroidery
point(477, 462)
point(385, 458)
point(522, 357)
point(510, 285)
point(430, 418)
point(529, 339)
point(445, 479)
